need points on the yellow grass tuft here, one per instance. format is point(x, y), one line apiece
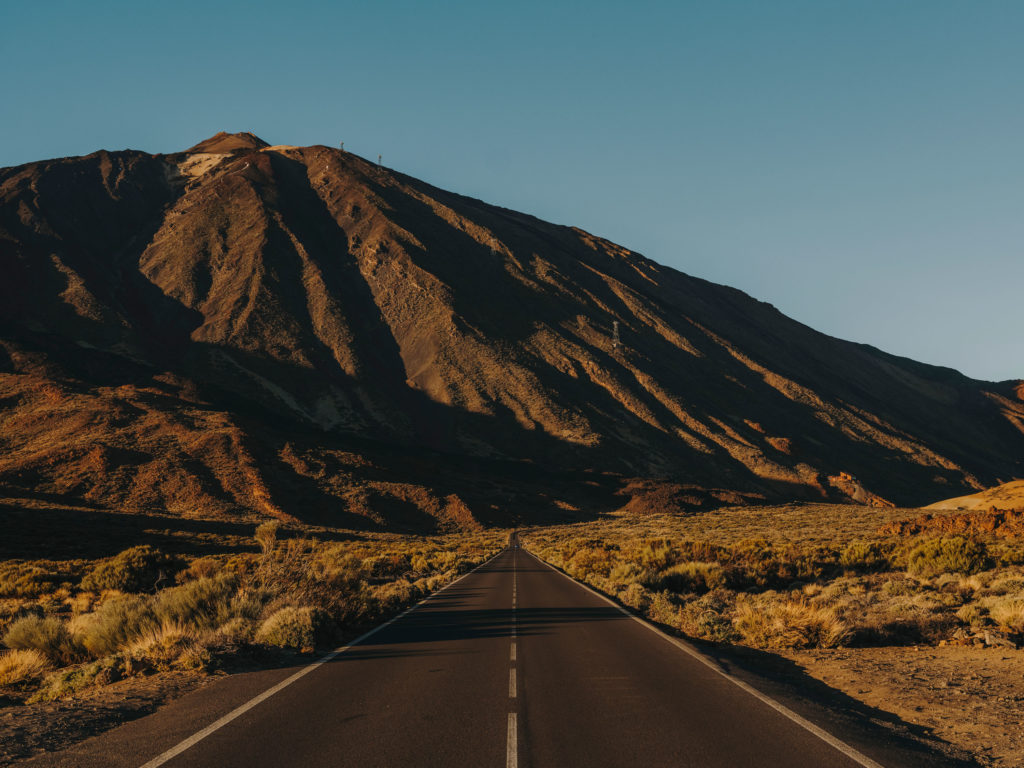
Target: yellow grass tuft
point(21, 666)
point(1008, 613)
point(789, 624)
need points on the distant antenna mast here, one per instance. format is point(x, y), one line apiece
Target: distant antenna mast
point(342, 146)
point(378, 159)
point(615, 335)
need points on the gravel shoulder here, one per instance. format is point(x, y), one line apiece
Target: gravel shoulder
point(971, 698)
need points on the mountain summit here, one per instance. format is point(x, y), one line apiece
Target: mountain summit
point(242, 328)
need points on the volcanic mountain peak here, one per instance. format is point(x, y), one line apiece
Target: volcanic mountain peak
point(251, 329)
point(223, 143)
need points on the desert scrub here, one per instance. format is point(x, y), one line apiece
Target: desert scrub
point(768, 592)
point(21, 579)
point(117, 622)
point(138, 569)
point(688, 577)
point(67, 682)
point(866, 556)
point(143, 611)
point(289, 627)
point(47, 635)
point(1007, 613)
point(203, 603)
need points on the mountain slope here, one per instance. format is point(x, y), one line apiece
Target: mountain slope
point(250, 312)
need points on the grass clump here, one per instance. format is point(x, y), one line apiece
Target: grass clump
point(118, 621)
point(789, 624)
point(46, 635)
point(289, 627)
point(21, 666)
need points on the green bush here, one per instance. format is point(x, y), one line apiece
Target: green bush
point(864, 556)
point(117, 623)
point(290, 627)
point(65, 682)
point(953, 554)
point(47, 635)
point(138, 569)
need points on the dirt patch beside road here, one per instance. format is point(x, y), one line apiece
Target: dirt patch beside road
point(972, 698)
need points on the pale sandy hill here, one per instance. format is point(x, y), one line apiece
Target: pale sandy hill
point(1006, 496)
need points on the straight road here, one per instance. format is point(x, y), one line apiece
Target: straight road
point(514, 665)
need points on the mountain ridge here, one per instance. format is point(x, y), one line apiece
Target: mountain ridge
point(237, 286)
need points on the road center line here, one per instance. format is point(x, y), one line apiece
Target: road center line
point(512, 754)
point(513, 650)
point(512, 683)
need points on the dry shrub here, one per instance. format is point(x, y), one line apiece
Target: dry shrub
point(169, 647)
point(48, 636)
point(1005, 585)
point(118, 621)
point(708, 617)
point(790, 624)
point(635, 596)
point(201, 568)
point(289, 627)
point(201, 603)
point(22, 666)
point(266, 535)
point(663, 611)
point(1008, 614)
point(689, 577)
point(138, 569)
point(26, 579)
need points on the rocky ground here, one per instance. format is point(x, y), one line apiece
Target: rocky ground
point(970, 697)
point(27, 730)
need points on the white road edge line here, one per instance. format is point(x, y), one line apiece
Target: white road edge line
point(216, 725)
point(782, 709)
point(512, 754)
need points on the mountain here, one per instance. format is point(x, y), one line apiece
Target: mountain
point(244, 329)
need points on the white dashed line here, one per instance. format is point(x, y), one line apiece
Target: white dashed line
point(513, 650)
point(512, 683)
point(512, 755)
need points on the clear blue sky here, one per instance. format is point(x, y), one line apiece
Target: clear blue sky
point(858, 164)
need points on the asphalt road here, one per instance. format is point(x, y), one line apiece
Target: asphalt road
point(513, 665)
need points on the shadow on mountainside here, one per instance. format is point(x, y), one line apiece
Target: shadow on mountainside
point(41, 530)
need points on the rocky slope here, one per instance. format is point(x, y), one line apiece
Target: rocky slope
point(295, 331)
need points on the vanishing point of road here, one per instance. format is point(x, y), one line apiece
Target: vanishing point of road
point(513, 665)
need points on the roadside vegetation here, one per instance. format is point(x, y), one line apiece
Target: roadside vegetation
point(806, 576)
point(67, 626)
